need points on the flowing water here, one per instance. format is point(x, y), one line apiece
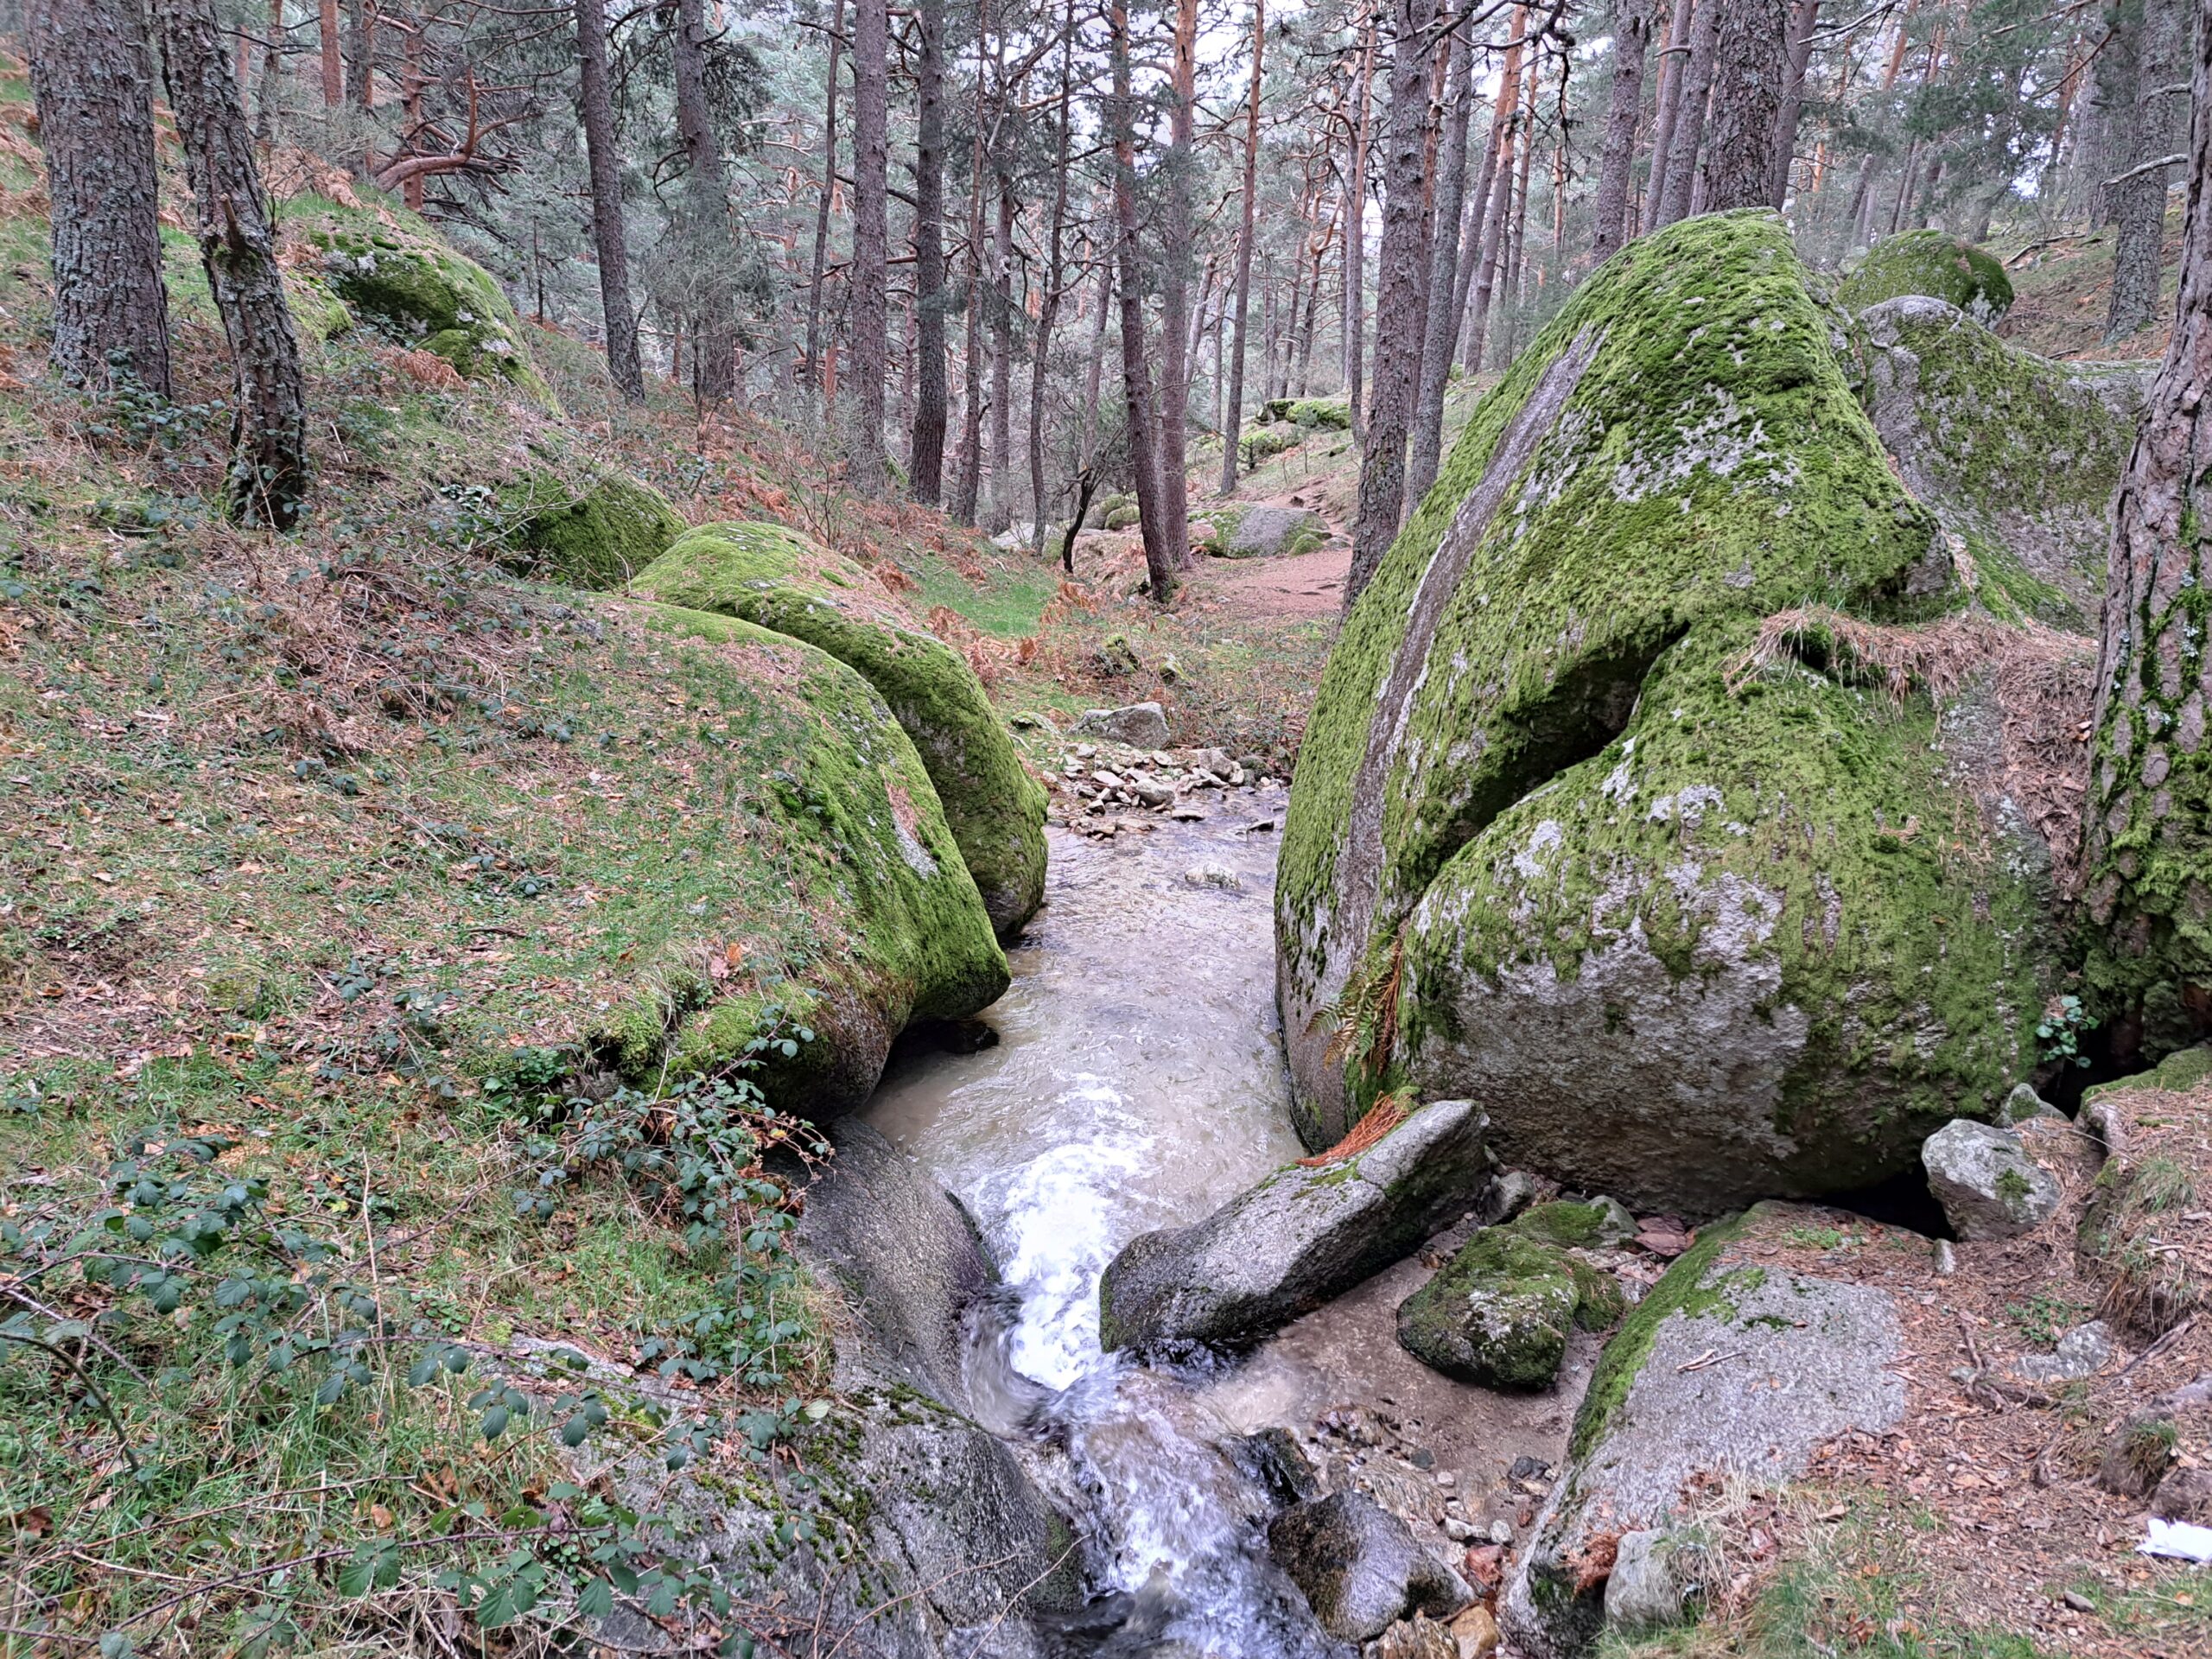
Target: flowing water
point(1138, 1082)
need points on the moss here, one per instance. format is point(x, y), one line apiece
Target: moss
point(318, 314)
point(417, 289)
point(596, 532)
point(1120, 517)
point(1316, 413)
point(1931, 263)
point(1256, 447)
point(770, 576)
point(1497, 1315)
point(1579, 760)
point(1569, 1224)
point(852, 813)
point(1683, 1290)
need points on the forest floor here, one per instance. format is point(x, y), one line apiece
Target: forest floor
point(2062, 289)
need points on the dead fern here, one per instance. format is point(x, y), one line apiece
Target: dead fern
point(1384, 1115)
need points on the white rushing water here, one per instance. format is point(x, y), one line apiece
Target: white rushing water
point(1138, 1082)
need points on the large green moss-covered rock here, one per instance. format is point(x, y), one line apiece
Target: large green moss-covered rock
point(422, 291)
point(906, 935)
point(2016, 455)
point(596, 530)
point(1933, 264)
point(1570, 835)
point(1498, 1313)
point(772, 577)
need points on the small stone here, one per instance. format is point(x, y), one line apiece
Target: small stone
point(1421, 1458)
point(1500, 1531)
point(1252, 764)
point(1213, 875)
point(2078, 1602)
point(1445, 1478)
point(1946, 1257)
point(2082, 1351)
point(1458, 1531)
point(1140, 725)
point(1418, 1637)
point(2024, 1105)
point(1474, 1631)
point(1988, 1185)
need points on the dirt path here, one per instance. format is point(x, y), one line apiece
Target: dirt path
point(1310, 585)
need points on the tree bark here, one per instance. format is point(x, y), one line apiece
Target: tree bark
point(1355, 306)
point(2147, 829)
point(926, 450)
point(360, 70)
point(1747, 72)
point(968, 486)
point(1501, 203)
point(267, 481)
point(868, 322)
point(1400, 310)
point(2139, 203)
point(810, 368)
point(1673, 65)
point(1441, 326)
point(998, 512)
point(93, 82)
point(1175, 283)
point(709, 251)
point(1617, 154)
point(1804, 16)
point(1689, 115)
point(1241, 307)
point(1160, 564)
point(596, 107)
point(1048, 307)
point(333, 64)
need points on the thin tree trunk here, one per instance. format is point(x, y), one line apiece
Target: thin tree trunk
point(811, 369)
point(1095, 363)
point(267, 481)
point(1495, 217)
point(1674, 65)
point(1804, 16)
point(269, 91)
point(709, 248)
point(93, 82)
point(1048, 309)
point(968, 487)
point(925, 452)
point(1617, 156)
point(1399, 317)
point(868, 322)
point(1689, 117)
point(1160, 560)
point(361, 72)
point(2147, 829)
point(1175, 285)
point(2140, 203)
point(1241, 307)
point(333, 67)
point(1355, 306)
point(596, 107)
point(1313, 310)
point(1441, 326)
point(1000, 512)
point(1747, 74)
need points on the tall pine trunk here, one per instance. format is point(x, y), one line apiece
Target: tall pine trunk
point(1689, 114)
point(1441, 326)
point(2147, 833)
point(810, 366)
point(94, 84)
point(1000, 513)
point(1804, 17)
point(1399, 308)
point(868, 322)
point(1501, 201)
point(1355, 273)
point(1175, 282)
point(1747, 74)
point(2160, 49)
point(1241, 306)
point(925, 451)
point(1673, 65)
point(709, 251)
point(1048, 307)
point(967, 485)
point(596, 107)
point(1160, 564)
point(1617, 154)
point(267, 481)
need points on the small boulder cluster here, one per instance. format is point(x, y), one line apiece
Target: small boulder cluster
point(1118, 784)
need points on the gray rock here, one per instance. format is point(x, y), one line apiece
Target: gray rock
point(955, 1535)
point(1269, 532)
point(2024, 1105)
point(1360, 1568)
point(1645, 1590)
point(1210, 874)
point(2082, 1351)
point(1284, 1246)
point(1729, 1368)
point(1140, 725)
point(1988, 1185)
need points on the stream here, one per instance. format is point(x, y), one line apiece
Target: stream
point(1138, 1082)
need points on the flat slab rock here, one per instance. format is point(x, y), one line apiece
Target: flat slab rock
point(1299, 1237)
point(1727, 1367)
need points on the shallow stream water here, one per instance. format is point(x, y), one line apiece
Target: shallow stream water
point(1138, 1082)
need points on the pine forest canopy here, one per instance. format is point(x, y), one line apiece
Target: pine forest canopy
point(925, 230)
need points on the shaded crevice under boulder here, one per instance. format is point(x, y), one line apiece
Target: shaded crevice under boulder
point(853, 819)
point(910, 1530)
point(2018, 456)
point(1299, 1237)
point(1667, 898)
point(1806, 1359)
point(1933, 264)
point(774, 577)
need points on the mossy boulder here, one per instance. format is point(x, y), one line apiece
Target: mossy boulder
point(1262, 533)
point(2018, 455)
point(1499, 1313)
point(318, 314)
point(1570, 834)
point(905, 933)
point(774, 577)
point(1265, 445)
point(1931, 262)
point(422, 292)
point(1121, 516)
point(1806, 1359)
point(595, 531)
point(1329, 414)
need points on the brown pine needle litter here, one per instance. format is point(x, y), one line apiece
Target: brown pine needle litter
point(1384, 1115)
